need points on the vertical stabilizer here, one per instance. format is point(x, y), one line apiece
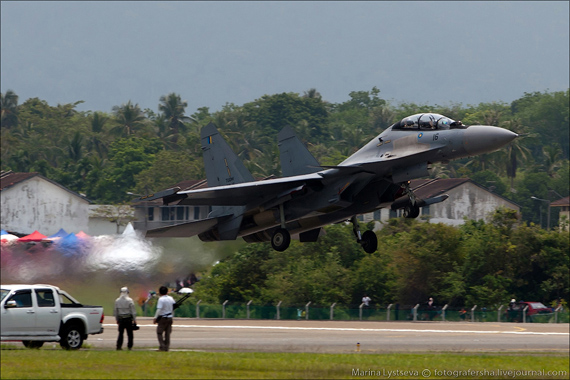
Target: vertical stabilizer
point(295, 157)
point(222, 165)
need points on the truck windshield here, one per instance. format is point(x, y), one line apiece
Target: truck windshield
point(4, 293)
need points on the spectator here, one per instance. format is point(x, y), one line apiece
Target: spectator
point(163, 317)
point(126, 316)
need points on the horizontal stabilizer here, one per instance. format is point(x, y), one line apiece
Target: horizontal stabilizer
point(159, 195)
point(184, 229)
point(405, 201)
point(439, 198)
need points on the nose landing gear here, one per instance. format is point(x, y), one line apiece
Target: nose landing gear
point(367, 240)
point(412, 210)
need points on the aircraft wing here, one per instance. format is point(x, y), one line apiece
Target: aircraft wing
point(184, 229)
point(241, 194)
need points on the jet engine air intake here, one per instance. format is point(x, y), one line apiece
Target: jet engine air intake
point(410, 172)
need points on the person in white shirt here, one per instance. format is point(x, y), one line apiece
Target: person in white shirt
point(366, 300)
point(163, 317)
point(126, 316)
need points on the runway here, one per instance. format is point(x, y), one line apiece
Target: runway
point(346, 336)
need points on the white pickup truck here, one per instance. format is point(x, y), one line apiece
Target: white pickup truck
point(36, 314)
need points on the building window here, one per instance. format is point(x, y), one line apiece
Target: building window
point(180, 213)
point(196, 213)
point(150, 213)
point(175, 213)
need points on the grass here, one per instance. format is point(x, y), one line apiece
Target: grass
point(45, 363)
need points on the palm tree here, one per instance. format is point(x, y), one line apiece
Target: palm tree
point(130, 119)
point(97, 128)
point(75, 147)
point(552, 159)
point(9, 109)
point(173, 109)
point(312, 93)
point(516, 151)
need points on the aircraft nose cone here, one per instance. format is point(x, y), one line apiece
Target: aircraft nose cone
point(480, 139)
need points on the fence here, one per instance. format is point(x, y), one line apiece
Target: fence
point(308, 311)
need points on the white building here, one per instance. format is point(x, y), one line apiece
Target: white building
point(564, 217)
point(467, 199)
point(30, 202)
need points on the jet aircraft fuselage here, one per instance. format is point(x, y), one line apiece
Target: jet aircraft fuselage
point(310, 196)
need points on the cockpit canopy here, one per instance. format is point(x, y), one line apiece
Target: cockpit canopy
point(427, 121)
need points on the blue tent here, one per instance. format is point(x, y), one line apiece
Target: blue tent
point(69, 244)
point(59, 234)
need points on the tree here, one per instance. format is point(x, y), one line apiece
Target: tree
point(9, 109)
point(127, 158)
point(173, 109)
point(516, 150)
point(129, 118)
point(168, 169)
point(552, 159)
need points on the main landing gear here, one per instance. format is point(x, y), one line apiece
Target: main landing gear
point(281, 239)
point(367, 240)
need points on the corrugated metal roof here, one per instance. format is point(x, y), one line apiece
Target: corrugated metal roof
point(427, 188)
point(9, 178)
point(561, 202)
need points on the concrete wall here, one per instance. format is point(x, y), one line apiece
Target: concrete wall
point(100, 216)
point(37, 204)
point(467, 200)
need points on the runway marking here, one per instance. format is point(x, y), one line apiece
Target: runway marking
point(363, 329)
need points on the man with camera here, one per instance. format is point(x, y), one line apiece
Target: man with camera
point(126, 316)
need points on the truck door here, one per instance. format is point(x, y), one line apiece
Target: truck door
point(18, 314)
point(48, 314)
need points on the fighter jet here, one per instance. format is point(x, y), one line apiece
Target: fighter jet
point(310, 196)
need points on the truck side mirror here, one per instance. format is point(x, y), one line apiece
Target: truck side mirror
point(10, 304)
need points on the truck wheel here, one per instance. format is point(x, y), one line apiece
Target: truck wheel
point(71, 337)
point(32, 343)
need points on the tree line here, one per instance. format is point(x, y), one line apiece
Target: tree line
point(107, 155)
point(482, 263)
point(129, 150)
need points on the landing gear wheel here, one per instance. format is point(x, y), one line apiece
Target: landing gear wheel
point(71, 337)
point(32, 343)
point(411, 211)
point(369, 241)
point(281, 239)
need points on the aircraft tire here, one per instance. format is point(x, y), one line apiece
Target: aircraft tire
point(369, 241)
point(411, 211)
point(281, 239)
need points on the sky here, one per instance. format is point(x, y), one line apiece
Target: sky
point(107, 53)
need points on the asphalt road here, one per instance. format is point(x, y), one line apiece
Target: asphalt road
point(343, 336)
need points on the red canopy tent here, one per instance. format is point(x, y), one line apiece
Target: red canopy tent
point(34, 236)
point(82, 235)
